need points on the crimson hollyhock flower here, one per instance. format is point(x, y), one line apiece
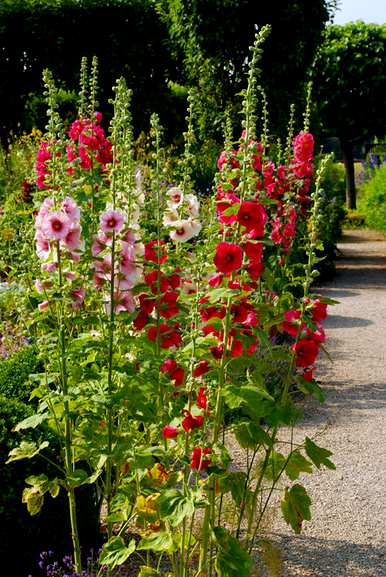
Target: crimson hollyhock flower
point(228, 257)
point(254, 251)
point(169, 308)
point(201, 368)
point(178, 376)
point(215, 280)
point(225, 200)
point(308, 375)
point(146, 303)
point(306, 352)
point(319, 311)
point(237, 348)
point(169, 432)
point(151, 252)
point(290, 325)
point(217, 351)
point(212, 312)
point(151, 279)
point(202, 400)
point(197, 461)
point(190, 422)
point(169, 336)
point(253, 217)
point(168, 366)
point(141, 320)
point(255, 269)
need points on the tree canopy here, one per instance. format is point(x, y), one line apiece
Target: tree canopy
point(350, 87)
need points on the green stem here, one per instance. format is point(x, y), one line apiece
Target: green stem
point(110, 416)
point(68, 453)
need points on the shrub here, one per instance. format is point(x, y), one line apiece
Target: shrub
point(15, 371)
point(372, 203)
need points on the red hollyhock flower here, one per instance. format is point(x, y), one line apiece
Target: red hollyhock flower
point(254, 250)
point(169, 336)
point(290, 326)
point(151, 252)
point(253, 217)
point(215, 280)
point(308, 375)
point(237, 348)
point(217, 351)
point(255, 269)
point(319, 311)
point(306, 352)
point(228, 258)
point(202, 400)
point(141, 320)
point(197, 461)
point(168, 366)
point(212, 312)
point(169, 432)
point(190, 422)
point(151, 280)
point(178, 376)
point(146, 303)
point(201, 368)
point(169, 308)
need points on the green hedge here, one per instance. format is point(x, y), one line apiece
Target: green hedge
point(15, 371)
point(372, 202)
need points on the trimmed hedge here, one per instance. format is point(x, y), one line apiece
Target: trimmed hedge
point(372, 202)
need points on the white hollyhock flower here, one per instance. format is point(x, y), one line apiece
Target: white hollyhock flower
point(192, 204)
point(170, 218)
point(176, 197)
point(185, 230)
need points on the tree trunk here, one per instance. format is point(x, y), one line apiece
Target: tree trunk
point(348, 159)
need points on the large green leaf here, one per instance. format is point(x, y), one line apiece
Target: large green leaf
point(26, 450)
point(115, 552)
point(297, 464)
point(249, 435)
point(160, 541)
point(318, 455)
point(231, 559)
point(173, 506)
point(296, 507)
point(252, 399)
point(31, 422)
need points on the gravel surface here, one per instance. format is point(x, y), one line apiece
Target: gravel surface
point(347, 535)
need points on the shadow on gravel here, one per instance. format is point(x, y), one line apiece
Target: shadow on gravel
point(348, 406)
point(340, 322)
point(312, 557)
point(336, 293)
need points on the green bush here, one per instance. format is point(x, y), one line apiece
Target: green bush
point(372, 202)
point(15, 371)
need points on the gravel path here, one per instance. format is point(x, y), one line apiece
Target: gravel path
point(347, 535)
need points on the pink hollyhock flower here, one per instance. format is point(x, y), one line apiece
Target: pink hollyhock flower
point(42, 247)
point(85, 158)
point(49, 267)
point(43, 306)
point(197, 461)
point(72, 239)
point(253, 217)
point(306, 352)
point(228, 257)
point(303, 145)
point(169, 432)
point(56, 226)
point(71, 209)
point(78, 298)
point(112, 221)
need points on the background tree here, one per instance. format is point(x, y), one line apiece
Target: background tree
point(208, 40)
point(211, 39)
point(350, 88)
